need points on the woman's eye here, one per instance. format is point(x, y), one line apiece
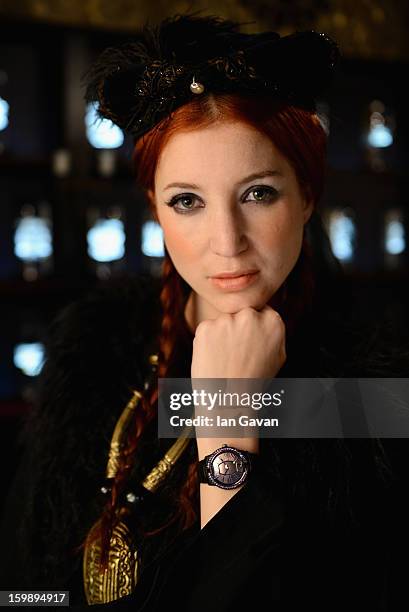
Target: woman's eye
point(175, 200)
point(262, 194)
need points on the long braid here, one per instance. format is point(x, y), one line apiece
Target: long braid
point(173, 301)
point(173, 328)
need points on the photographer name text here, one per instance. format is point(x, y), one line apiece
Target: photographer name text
point(219, 421)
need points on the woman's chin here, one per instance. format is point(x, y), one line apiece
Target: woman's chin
point(231, 304)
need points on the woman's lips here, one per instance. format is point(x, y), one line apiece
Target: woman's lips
point(235, 283)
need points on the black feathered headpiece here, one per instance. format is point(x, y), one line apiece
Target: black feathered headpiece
point(141, 82)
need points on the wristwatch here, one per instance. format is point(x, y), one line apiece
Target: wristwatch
point(227, 467)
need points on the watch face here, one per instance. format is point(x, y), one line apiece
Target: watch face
point(227, 468)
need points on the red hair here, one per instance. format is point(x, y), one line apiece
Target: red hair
point(300, 137)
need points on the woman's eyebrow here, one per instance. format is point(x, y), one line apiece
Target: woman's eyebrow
point(249, 178)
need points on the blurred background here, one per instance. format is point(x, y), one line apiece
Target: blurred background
point(71, 216)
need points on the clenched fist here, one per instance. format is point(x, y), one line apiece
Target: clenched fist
point(247, 344)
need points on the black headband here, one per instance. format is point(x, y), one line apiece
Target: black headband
point(141, 82)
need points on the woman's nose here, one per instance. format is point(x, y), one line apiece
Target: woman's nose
point(227, 233)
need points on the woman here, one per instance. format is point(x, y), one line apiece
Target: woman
point(234, 179)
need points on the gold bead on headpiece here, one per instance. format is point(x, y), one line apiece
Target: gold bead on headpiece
point(196, 88)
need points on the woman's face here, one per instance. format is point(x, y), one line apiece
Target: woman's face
point(229, 215)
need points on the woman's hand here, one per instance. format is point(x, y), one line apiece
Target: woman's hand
point(248, 344)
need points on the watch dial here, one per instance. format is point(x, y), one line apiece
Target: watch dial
point(228, 468)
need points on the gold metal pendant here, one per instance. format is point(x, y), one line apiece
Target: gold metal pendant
point(120, 577)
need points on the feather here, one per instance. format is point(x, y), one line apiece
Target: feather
point(139, 83)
